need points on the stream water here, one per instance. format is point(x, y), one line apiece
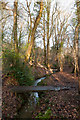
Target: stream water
point(26, 111)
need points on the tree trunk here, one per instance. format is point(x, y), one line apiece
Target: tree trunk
point(30, 30)
point(15, 26)
point(77, 38)
point(76, 50)
point(44, 39)
point(67, 45)
point(61, 67)
point(33, 31)
point(61, 57)
point(48, 14)
point(2, 26)
point(79, 84)
point(19, 43)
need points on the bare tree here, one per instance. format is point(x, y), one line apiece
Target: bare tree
point(15, 26)
point(33, 31)
point(44, 37)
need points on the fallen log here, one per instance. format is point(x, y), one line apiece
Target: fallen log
point(22, 89)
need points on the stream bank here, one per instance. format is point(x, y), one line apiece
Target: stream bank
point(30, 104)
point(33, 100)
point(10, 102)
point(60, 104)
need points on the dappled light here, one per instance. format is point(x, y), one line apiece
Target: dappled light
point(40, 58)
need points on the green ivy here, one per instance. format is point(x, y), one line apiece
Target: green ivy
point(46, 115)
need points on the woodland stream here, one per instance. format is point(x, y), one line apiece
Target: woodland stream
point(29, 107)
point(26, 111)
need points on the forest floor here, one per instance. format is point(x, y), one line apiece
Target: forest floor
point(10, 102)
point(62, 104)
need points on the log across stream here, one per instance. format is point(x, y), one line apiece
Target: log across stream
point(29, 107)
point(25, 89)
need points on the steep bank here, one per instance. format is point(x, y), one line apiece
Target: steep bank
point(11, 102)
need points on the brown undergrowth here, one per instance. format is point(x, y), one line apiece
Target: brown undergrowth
point(10, 102)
